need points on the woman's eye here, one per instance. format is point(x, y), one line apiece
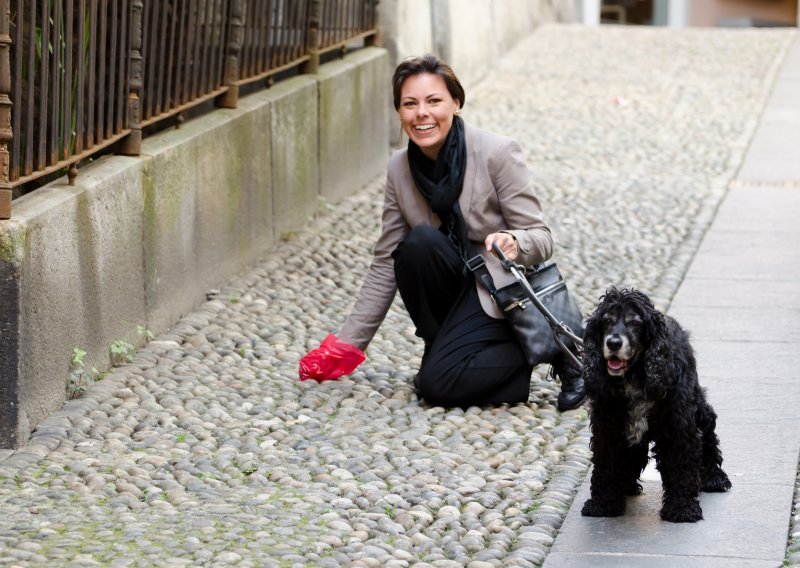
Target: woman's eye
point(409, 104)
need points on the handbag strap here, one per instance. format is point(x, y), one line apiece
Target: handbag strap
point(477, 266)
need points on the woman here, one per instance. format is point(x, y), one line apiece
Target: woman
point(453, 193)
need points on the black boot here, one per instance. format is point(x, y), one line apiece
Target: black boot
point(572, 392)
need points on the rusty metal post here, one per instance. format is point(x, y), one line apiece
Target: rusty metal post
point(376, 39)
point(314, 23)
point(230, 98)
point(132, 146)
point(6, 133)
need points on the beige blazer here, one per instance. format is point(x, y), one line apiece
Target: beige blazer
point(497, 196)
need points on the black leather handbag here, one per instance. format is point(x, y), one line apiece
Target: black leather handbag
point(546, 318)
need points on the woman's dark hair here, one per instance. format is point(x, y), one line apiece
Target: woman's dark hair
point(426, 64)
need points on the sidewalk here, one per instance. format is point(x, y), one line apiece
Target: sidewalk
point(741, 301)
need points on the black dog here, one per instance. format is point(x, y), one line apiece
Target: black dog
point(641, 377)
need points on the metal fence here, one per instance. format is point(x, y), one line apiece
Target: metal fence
point(77, 76)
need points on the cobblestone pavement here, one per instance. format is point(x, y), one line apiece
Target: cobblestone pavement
point(207, 450)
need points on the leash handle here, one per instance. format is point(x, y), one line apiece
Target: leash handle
point(507, 264)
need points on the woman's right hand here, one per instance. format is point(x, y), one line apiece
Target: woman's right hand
point(332, 359)
point(505, 241)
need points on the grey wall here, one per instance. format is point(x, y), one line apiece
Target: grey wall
point(139, 241)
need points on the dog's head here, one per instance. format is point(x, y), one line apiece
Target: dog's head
point(624, 332)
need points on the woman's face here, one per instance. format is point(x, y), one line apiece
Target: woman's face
point(426, 111)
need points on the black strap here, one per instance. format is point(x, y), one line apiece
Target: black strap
point(477, 266)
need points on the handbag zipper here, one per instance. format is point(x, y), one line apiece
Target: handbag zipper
point(522, 302)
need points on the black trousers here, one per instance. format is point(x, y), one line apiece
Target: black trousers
point(472, 358)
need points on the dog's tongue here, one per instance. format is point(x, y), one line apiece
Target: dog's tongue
point(615, 364)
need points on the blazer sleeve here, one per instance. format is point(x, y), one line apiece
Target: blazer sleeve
point(379, 287)
point(519, 204)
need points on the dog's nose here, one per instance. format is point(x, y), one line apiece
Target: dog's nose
point(614, 342)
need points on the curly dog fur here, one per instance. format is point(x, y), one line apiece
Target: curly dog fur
point(641, 377)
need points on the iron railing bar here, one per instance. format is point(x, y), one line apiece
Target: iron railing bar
point(16, 94)
point(29, 105)
point(180, 61)
point(113, 59)
point(260, 27)
point(101, 72)
point(66, 141)
point(300, 32)
point(150, 57)
point(274, 25)
point(91, 80)
point(269, 34)
point(122, 50)
point(195, 60)
point(202, 68)
point(53, 139)
point(215, 44)
point(218, 44)
point(43, 71)
point(79, 110)
point(168, 95)
point(163, 65)
point(224, 37)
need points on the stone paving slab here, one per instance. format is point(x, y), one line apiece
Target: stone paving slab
point(736, 293)
point(566, 560)
point(773, 154)
point(641, 531)
point(736, 214)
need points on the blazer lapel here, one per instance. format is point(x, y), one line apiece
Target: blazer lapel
point(468, 189)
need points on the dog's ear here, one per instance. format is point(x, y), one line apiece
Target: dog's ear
point(593, 370)
point(657, 356)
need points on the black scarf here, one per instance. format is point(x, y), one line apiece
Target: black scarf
point(440, 182)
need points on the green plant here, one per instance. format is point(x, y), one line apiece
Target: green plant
point(79, 377)
point(144, 332)
point(120, 352)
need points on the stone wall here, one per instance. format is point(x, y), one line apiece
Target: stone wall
point(468, 34)
point(137, 242)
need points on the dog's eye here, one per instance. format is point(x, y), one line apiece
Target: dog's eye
point(633, 320)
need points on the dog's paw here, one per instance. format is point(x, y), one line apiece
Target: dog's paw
point(683, 512)
point(597, 508)
point(716, 482)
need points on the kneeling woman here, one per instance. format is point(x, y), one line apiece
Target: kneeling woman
point(454, 192)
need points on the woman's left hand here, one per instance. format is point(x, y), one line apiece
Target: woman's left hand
point(506, 242)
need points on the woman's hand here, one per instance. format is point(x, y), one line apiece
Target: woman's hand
point(506, 242)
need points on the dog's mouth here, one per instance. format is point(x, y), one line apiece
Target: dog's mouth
point(616, 366)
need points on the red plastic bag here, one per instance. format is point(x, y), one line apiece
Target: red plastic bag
point(332, 359)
